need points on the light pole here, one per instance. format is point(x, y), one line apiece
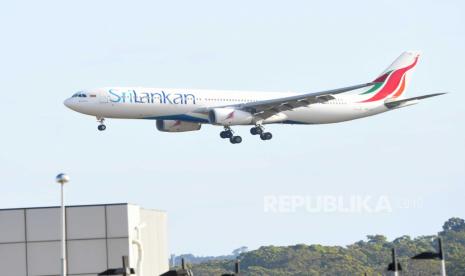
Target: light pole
point(441, 256)
point(394, 266)
point(394, 261)
point(434, 256)
point(62, 179)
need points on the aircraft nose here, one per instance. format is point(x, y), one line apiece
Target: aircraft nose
point(68, 103)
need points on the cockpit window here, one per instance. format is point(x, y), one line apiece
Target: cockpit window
point(79, 94)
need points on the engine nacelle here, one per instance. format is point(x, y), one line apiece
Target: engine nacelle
point(229, 116)
point(177, 126)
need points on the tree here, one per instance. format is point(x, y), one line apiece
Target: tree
point(454, 224)
point(376, 239)
point(240, 250)
point(370, 256)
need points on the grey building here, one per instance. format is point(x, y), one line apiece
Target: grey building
point(97, 238)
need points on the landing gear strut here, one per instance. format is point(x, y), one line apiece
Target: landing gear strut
point(259, 130)
point(101, 126)
point(228, 133)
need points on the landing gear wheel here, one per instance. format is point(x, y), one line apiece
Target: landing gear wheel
point(266, 136)
point(235, 139)
point(256, 130)
point(227, 133)
point(101, 127)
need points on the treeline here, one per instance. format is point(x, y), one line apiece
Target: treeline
point(192, 259)
point(371, 256)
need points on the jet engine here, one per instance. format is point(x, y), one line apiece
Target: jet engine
point(229, 116)
point(176, 126)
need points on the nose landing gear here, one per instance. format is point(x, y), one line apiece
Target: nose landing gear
point(101, 126)
point(228, 133)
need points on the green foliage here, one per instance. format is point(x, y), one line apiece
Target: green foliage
point(454, 224)
point(371, 256)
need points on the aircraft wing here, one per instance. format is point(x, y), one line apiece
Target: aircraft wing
point(267, 108)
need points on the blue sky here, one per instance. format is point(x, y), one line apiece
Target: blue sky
point(213, 191)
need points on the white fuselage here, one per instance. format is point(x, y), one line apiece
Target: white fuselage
point(181, 104)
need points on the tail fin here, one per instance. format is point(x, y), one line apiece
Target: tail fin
point(394, 80)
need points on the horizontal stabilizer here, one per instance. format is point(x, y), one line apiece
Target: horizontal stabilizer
point(399, 103)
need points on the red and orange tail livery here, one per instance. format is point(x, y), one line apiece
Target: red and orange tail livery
point(394, 80)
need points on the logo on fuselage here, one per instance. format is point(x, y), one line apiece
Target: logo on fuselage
point(132, 96)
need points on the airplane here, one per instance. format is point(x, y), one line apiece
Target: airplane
point(180, 110)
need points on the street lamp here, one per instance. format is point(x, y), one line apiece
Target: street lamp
point(62, 179)
point(434, 256)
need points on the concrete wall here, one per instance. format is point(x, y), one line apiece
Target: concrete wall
point(97, 238)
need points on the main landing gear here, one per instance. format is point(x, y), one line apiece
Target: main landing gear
point(259, 130)
point(101, 126)
point(228, 133)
